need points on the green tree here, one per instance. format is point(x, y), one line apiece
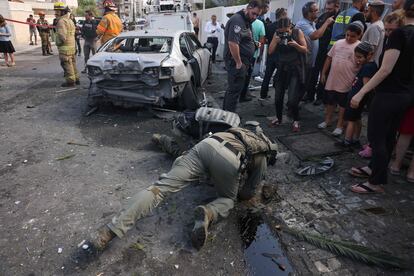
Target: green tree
point(84, 5)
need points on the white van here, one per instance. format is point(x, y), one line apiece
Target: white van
point(173, 21)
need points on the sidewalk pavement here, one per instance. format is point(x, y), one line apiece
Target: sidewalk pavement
point(324, 204)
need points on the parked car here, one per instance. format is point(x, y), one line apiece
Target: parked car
point(155, 67)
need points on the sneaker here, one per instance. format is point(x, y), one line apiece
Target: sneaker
point(295, 126)
point(323, 125)
point(83, 71)
point(344, 145)
point(77, 82)
point(337, 132)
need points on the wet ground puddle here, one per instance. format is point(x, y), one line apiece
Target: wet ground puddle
point(262, 252)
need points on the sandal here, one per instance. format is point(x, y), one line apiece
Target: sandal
point(275, 123)
point(394, 171)
point(362, 188)
point(359, 172)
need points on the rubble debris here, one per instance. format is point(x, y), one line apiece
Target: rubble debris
point(65, 157)
point(317, 168)
point(92, 110)
point(77, 144)
point(137, 246)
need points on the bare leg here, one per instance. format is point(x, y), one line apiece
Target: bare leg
point(11, 58)
point(350, 131)
point(357, 130)
point(400, 149)
point(6, 58)
point(329, 110)
point(340, 123)
point(410, 172)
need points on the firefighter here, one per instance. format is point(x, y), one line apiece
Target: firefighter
point(110, 25)
point(44, 30)
point(65, 41)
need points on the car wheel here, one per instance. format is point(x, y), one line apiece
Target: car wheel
point(189, 98)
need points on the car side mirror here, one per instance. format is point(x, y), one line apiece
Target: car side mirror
point(208, 45)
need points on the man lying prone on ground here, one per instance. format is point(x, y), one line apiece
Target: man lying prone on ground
point(223, 157)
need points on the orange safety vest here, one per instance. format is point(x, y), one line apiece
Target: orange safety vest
point(109, 27)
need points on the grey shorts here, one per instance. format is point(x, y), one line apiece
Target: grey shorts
point(32, 31)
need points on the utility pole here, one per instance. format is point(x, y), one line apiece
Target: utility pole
point(133, 11)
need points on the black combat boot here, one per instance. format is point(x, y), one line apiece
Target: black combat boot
point(89, 251)
point(68, 84)
point(202, 219)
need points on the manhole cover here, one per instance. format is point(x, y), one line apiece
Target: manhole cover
point(310, 145)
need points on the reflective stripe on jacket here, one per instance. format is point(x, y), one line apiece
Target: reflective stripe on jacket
point(109, 27)
point(341, 24)
point(65, 39)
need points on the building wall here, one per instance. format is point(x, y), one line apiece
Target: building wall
point(20, 12)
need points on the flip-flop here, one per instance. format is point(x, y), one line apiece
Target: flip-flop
point(394, 172)
point(358, 172)
point(366, 189)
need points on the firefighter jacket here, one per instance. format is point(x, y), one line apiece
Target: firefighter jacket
point(109, 27)
point(65, 38)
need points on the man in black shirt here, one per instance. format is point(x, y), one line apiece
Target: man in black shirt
point(88, 33)
point(239, 48)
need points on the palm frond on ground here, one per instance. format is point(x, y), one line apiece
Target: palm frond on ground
point(353, 251)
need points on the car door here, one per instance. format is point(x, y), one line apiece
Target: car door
point(201, 54)
point(188, 52)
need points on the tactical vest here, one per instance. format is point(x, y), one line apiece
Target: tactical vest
point(341, 24)
point(254, 142)
point(66, 47)
point(205, 120)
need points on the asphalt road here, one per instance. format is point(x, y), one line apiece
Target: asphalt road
point(48, 206)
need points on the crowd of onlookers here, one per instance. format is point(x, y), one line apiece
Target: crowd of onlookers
point(352, 60)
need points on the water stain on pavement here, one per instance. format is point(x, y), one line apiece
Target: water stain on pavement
point(262, 251)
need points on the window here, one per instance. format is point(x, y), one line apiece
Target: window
point(141, 45)
point(183, 47)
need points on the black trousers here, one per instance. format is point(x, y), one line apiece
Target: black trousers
point(214, 41)
point(384, 118)
point(270, 68)
point(247, 80)
point(313, 86)
point(289, 80)
point(235, 84)
point(78, 46)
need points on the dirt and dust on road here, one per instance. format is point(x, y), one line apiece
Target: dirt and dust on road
point(63, 175)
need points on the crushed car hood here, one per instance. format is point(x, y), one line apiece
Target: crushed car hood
point(126, 61)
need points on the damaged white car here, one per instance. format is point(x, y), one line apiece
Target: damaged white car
point(149, 67)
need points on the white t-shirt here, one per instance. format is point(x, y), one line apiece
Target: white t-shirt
point(374, 35)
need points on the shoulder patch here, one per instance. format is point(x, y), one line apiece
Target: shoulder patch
point(237, 29)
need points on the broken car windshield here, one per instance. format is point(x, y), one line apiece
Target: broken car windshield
point(140, 45)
